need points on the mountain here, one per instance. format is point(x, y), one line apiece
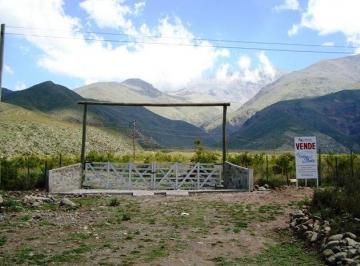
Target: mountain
point(23, 131)
point(137, 90)
point(316, 80)
point(236, 90)
point(45, 96)
point(333, 118)
point(152, 129)
point(319, 79)
point(5, 92)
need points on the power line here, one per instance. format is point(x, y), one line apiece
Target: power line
point(186, 45)
point(198, 39)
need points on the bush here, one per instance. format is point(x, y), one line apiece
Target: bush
point(114, 202)
point(202, 156)
point(340, 204)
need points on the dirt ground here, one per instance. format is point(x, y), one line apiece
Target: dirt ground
point(206, 229)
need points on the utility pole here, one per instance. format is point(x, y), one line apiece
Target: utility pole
point(2, 36)
point(133, 137)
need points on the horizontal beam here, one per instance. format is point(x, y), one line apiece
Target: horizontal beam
point(153, 104)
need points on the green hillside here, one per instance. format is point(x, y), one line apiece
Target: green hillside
point(152, 129)
point(334, 119)
point(29, 132)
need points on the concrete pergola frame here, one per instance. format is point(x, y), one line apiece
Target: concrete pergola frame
point(86, 103)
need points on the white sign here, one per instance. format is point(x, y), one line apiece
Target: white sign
point(306, 158)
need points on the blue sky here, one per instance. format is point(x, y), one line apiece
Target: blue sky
point(73, 61)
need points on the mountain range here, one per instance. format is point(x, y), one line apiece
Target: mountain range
point(333, 118)
point(266, 121)
point(137, 90)
point(316, 80)
point(151, 129)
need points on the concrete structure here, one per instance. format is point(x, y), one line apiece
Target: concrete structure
point(237, 177)
point(65, 179)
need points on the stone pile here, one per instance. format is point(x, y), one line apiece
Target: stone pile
point(338, 249)
point(265, 187)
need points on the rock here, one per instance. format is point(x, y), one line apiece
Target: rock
point(298, 214)
point(37, 216)
point(308, 234)
point(293, 224)
point(262, 188)
point(352, 252)
point(314, 237)
point(336, 237)
point(351, 235)
point(348, 261)
point(331, 259)
point(304, 227)
point(340, 255)
point(266, 186)
point(328, 252)
point(67, 202)
point(333, 243)
point(36, 200)
point(351, 242)
point(327, 230)
point(256, 187)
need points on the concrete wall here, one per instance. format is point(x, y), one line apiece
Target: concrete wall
point(65, 179)
point(237, 177)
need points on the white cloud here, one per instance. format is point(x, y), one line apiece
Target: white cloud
point(328, 44)
point(20, 86)
point(336, 16)
point(8, 70)
point(263, 71)
point(109, 13)
point(288, 5)
point(166, 66)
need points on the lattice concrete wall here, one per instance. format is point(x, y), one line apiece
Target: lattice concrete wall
point(237, 177)
point(65, 179)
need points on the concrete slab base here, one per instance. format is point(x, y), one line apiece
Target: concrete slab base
point(139, 193)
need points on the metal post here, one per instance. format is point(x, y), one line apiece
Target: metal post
point(83, 144)
point(224, 138)
point(2, 39)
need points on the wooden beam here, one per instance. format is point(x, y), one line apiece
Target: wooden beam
point(224, 148)
point(152, 104)
point(83, 143)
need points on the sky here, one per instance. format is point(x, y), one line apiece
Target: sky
point(170, 44)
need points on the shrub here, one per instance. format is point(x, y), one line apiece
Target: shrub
point(114, 202)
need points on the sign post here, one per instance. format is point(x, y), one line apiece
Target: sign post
point(306, 159)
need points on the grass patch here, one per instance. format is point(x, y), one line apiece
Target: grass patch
point(289, 251)
point(157, 252)
point(2, 240)
point(114, 202)
point(79, 236)
point(71, 255)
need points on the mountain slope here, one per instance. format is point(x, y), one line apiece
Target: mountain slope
point(61, 103)
point(333, 118)
point(30, 132)
point(137, 90)
point(318, 79)
point(45, 96)
point(5, 92)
